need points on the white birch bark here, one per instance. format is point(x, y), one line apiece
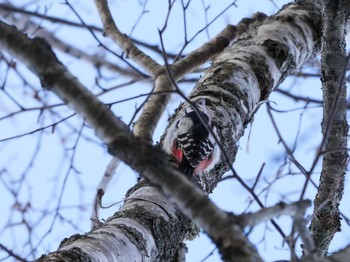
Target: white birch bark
point(240, 79)
point(139, 231)
point(147, 160)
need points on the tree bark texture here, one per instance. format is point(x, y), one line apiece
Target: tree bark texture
point(242, 77)
point(151, 162)
point(146, 228)
point(326, 220)
point(238, 82)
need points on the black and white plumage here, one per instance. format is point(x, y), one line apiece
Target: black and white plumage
point(194, 144)
point(190, 143)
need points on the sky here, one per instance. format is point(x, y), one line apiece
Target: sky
point(56, 171)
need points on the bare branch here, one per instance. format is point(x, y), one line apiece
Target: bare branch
point(37, 55)
point(340, 256)
point(155, 105)
point(101, 189)
point(12, 254)
point(112, 31)
point(35, 29)
point(265, 214)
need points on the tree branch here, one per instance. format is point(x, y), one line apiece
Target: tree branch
point(265, 214)
point(124, 42)
point(33, 29)
point(151, 163)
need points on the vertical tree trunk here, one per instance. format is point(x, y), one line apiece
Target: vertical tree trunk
point(326, 220)
point(149, 227)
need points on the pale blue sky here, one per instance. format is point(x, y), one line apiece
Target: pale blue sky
point(46, 178)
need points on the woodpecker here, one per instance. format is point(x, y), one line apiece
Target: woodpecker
point(190, 143)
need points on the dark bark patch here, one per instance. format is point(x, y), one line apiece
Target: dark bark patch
point(277, 51)
point(261, 70)
point(73, 255)
point(69, 240)
point(135, 237)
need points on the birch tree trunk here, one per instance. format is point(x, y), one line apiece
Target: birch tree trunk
point(242, 77)
point(165, 208)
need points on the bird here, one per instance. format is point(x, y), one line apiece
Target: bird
point(190, 143)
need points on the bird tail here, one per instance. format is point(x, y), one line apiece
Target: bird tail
point(185, 167)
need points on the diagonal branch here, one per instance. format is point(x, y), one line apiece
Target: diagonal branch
point(265, 214)
point(148, 161)
point(124, 42)
point(36, 30)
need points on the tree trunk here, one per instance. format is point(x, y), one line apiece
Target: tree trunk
point(242, 77)
point(149, 226)
point(326, 219)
